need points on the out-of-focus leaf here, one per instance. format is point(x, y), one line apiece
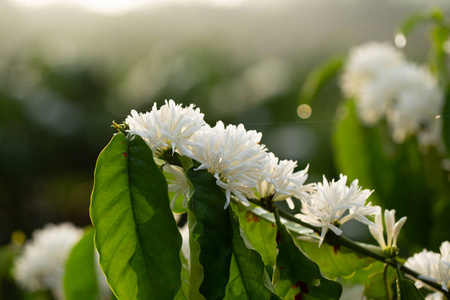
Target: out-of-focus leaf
point(136, 234)
point(407, 289)
point(318, 77)
point(334, 261)
point(80, 279)
point(446, 123)
point(415, 20)
point(375, 287)
point(211, 236)
point(248, 276)
point(352, 153)
point(299, 276)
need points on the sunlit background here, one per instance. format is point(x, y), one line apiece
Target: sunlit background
point(68, 68)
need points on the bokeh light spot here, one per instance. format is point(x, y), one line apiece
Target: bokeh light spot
point(400, 40)
point(304, 111)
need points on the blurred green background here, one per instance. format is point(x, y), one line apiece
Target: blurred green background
point(66, 73)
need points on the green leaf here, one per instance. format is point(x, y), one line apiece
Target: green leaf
point(183, 293)
point(446, 122)
point(407, 289)
point(318, 77)
point(80, 279)
point(248, 276)
point(259, 232)
point(350, 146)
point(298, 274)
point(210, 237)
point(375, 287)
point(334, 261)
point(136, 234)
point(422, 18)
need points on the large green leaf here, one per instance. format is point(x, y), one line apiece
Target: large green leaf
point(299, 276)
point(136, 234)
point(80, 279)
point(334, 261)
point(248, 276)
point(210, 237)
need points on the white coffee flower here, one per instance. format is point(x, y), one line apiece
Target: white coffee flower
point(367, 62)
point(280, 182)
point(432, 266)
point(170, 126)
point(392, 229)
point(418, 100)
point(326, 206)
point(177, 183)
point(42, 263)
point(233, 155)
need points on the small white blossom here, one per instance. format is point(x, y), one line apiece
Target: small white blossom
point(328, 203)
point(42, 263)
point(367, 62)
point(233, 155)
point(177, 184)
point(432, 266)
point(392, 229)
point(170, 126)
point(280, 182)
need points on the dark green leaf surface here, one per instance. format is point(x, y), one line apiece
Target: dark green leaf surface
point(210, 237)
point(80, 279)
point(248, 276)
point(298, 274)
point(136, 234)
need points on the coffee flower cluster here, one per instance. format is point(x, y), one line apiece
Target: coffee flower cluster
point(432, 266)
point(41, 266)
point(385, 85)
point(245, 169)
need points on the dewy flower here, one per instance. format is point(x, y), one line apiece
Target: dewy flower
point(280, 182)
point(392, 229)
point(233, 155)
point(170, 126)
point(177, 184)
point(326, 206)
point(432, 266)
point(41, 266)
point(367, 62)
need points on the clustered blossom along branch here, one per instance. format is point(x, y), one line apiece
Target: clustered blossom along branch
point(246, 171)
